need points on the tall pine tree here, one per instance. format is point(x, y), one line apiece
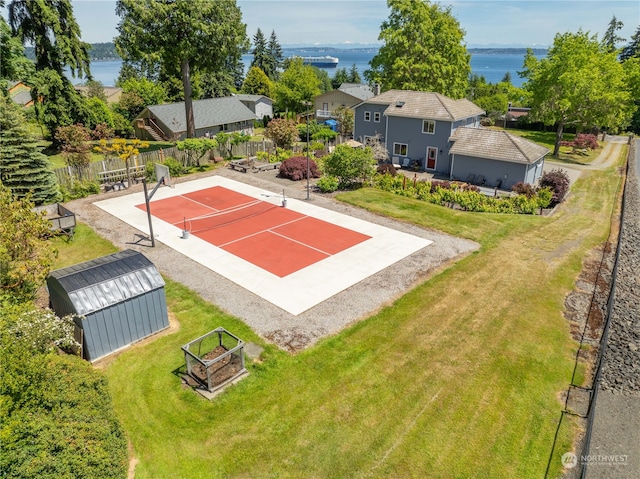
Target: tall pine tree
point(274, 56)
point(259, 52)
point(23, 168)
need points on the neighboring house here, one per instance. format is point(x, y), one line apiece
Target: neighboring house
point(420, 129)
point(259, 104)
point(347, 95)
point(213, 115)
point(20, 93)
point(503, 159)
point(111, 92)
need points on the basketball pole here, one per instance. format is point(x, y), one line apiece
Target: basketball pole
point(147, 200)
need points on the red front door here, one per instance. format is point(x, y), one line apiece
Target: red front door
point(432, 155)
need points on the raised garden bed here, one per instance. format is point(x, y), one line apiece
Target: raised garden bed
point(214, 359)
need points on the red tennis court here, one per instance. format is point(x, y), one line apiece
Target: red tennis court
point(272, 237)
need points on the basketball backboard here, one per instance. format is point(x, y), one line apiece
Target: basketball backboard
point(162, 173)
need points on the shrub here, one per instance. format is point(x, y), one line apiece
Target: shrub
point(582, 141)
point(79, 189)
point(558, 182)
point(444, 184)
point(525, 189)
point(296, 168)
point(352, 166)
point(387, 169)
point(328, 184)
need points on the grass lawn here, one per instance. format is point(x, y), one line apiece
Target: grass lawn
point(459, 378)
point(548, 140)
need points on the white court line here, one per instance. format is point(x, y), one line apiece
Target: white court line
point(298, 291)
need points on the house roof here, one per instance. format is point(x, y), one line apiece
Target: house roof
point(207, 113)
point(495, 145)
point(426, 105)
point(251, 98)
point(111, 92)
point(359, 90)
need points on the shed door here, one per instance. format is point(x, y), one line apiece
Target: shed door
point(432, 155)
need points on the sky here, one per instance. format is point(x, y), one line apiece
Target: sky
point(526, 23)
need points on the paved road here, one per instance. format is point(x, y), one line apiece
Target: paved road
point(615, 439)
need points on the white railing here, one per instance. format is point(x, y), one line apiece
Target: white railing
point(324, 114)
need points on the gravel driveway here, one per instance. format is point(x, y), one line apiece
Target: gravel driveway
point(284, 329)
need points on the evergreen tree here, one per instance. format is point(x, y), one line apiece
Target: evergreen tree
point(339, 77)
point(633, 48)
point(274, 56)
point(51, 27)
point(260, 54)
point(24, 169)
point(354, 76)
point(14, 65)
point(611, 38)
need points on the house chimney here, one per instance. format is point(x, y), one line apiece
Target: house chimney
point(376, 89)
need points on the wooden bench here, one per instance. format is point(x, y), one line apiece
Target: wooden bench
point(267, 166)
point(113, 179)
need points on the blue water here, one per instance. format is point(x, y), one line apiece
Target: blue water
point(493, 66)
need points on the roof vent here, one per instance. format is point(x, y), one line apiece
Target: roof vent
point(399, 104)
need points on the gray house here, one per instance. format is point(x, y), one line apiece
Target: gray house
point(117, 299)
point(501, 158)
point(212, 115)
point(437, 134)
point(259, 104)
point(415, 126)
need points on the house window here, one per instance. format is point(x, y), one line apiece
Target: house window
point(367, 116)
point(400, 149)
point(428, 126)
point(225, 127)
point(376, 116)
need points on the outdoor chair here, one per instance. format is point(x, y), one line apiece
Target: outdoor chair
point(471, 178)
point(481, 180)
point(498, 183)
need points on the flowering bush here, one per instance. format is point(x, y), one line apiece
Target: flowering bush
point(42, 331)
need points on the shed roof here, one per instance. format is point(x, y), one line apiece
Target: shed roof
point(207, 113)
point(103, 282)
point(495, 145)
point(426, 105)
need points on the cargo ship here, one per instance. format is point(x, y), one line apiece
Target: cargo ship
point(320, 62)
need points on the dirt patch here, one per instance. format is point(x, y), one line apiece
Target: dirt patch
point(219, 371)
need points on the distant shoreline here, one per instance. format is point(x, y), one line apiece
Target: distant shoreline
point(106, 52)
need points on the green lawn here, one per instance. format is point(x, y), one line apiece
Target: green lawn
point(548, 140)
point(459, 378)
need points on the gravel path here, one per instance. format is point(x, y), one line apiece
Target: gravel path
point(284, 329)
point(615, 440)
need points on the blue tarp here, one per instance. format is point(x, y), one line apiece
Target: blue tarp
point(333, 124)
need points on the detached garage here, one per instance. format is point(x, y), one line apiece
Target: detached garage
point(119, 299)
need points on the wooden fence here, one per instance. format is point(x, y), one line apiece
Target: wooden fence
point(68, 174)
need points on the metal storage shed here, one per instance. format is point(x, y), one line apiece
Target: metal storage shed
point(119, 299)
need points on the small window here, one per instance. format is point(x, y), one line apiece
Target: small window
point(400, 149)
point(367, 116)
point(376, 116)
point(428, 126)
